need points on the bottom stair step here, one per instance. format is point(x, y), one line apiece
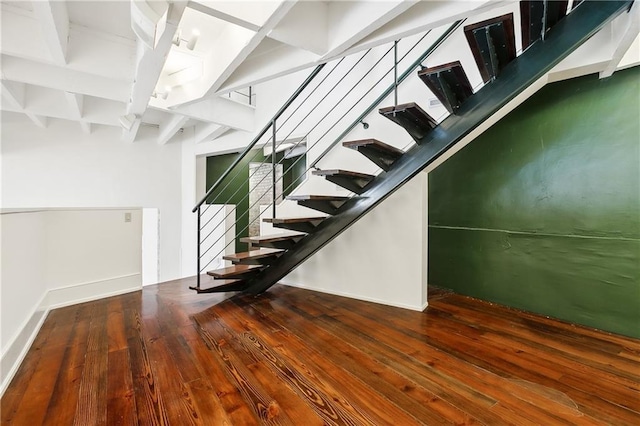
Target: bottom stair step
point(235, 271)
point(223, 286)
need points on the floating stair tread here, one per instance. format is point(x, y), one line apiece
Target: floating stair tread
point(373, 143)
point(503, 45)
point(234, 271)
point(317, 198)
point(253, 254)
point(449, 83)
point(279, 220)
point(282, 236)
point(340, 172)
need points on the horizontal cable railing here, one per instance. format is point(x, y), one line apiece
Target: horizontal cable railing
point(350, 78)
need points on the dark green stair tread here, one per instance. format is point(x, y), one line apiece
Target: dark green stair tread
point(253, 254)
point(281, 236)
point(284, 220)
point(375, 144)
point(340, 172)
point(234, 271)
point(412, 118)
point(222, 286)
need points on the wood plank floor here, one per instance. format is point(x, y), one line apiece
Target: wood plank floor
point(165, 355)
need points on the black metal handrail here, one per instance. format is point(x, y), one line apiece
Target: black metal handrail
point(264, 130)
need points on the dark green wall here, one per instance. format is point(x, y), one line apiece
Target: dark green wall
point(218, 164)
point(542, 211)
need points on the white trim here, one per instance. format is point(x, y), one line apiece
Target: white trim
point(358, 297)
point(16, 350)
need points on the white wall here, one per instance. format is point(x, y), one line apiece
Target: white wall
point(380, 258)
point(53, 258)
point(59, 166)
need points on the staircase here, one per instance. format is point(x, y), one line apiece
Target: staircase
point(548, 37)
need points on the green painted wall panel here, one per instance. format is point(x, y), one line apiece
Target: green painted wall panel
point(542, 211)
point(238, 186)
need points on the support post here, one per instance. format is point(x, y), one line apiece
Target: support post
point(273, 168)
point(395, 73)
point(198, 253)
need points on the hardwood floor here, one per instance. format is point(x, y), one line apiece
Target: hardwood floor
point(168, 356)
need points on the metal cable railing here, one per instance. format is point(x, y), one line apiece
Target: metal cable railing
point(274, 145)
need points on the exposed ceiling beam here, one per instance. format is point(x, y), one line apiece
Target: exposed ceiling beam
point(75, 102)
point(55, 77)
point(208, 131)
point(169, 128)
point(628, 37)
point(366, 28)
point(14, 93)
point(271, 23)
point(223, 16)
point(149, 64)
point(129, 135)
point(221, 111)
point(54, 24)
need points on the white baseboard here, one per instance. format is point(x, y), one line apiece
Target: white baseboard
point(357, 297)
point(18, 347)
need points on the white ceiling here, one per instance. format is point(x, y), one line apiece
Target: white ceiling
point(81, 61)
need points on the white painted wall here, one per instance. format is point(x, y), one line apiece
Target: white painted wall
point(59, 166)
point(53, 258)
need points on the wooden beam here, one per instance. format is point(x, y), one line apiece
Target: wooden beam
point(54, 24)
point(208, 131)
point(170, 128)
point(222, 111)
point(129, 135)
point(60, 78)
point(75, 102)
point(222, 16)
point(14, 93)
point(150, 62)
point(628, 37)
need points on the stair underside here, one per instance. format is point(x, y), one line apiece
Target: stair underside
point(353, 181)
point(282, 240)
point(235, 271)
point(300, 224)
point(412, 118)
point(325, 203)
point(531, 18)
point(493, 45)
point(380, 153)
point(539, 59)
point(449, 83)
point(254, 257)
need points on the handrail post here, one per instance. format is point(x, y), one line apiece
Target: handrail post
point(273, 168)
point(395, 73)
point(198, 251)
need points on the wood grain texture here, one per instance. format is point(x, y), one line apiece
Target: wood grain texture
point(167, 356)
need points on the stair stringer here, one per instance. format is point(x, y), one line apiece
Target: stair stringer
point(525, 70)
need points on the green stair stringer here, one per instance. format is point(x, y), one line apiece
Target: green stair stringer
point(569, 34)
